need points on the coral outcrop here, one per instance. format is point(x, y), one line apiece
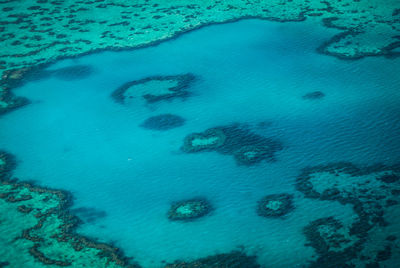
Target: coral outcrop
point(189, 209)
point(275, 205)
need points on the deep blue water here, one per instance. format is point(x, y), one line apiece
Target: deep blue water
point(75, 137)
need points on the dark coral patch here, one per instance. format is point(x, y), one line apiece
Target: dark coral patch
point(163, 122)
point(275, 205)
point(189, 209)
point(316, 95)
point(234, 259)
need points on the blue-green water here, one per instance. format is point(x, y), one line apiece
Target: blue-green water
point(75, 137)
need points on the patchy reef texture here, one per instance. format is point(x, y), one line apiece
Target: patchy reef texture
point(189, 209)
point(163, 122)
point(155, 88)
point(247, 147)
point(371, 239)
point(275, 205)
point(36, 32)
point(37, 230)
point(234, 259)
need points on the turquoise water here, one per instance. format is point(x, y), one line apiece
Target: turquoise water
point(74, 136)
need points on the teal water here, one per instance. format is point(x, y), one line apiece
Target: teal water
point(75, 137)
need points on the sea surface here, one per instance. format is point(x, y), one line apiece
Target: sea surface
point(74, 136)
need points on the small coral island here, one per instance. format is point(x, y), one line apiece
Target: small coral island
point(155, 88)
point(247, 147)
point(275, 205)
point(189, 209)
point(371, 239)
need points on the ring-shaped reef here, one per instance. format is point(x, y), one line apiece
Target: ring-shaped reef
point(234, 259)
point(248, 148)
point(187, 210)
point(369, 240)
point(155, 88)
point(275, 205)
point(163, 122)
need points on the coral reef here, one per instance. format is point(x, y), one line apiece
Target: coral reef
point(374, 193)
point(208, 140)
point(163, 122)
point(275, 205)
point(189, 209)
point(234, 259)
point(37, 32)
point(37, 229)
point(314, 95)
point(154, 88)
point(247, 147)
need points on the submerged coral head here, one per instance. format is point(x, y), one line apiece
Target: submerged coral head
point(189, 209)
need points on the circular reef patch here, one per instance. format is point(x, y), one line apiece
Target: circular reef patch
point(275, 205)
point(163, 122)
point(189, 209)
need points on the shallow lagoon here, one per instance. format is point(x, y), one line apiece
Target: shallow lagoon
point(75, 137)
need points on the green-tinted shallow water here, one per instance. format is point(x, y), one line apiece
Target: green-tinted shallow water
point(76, 137)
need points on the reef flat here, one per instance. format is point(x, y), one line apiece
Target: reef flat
point(37, 230)
point(371, 239)
point(36, 32)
